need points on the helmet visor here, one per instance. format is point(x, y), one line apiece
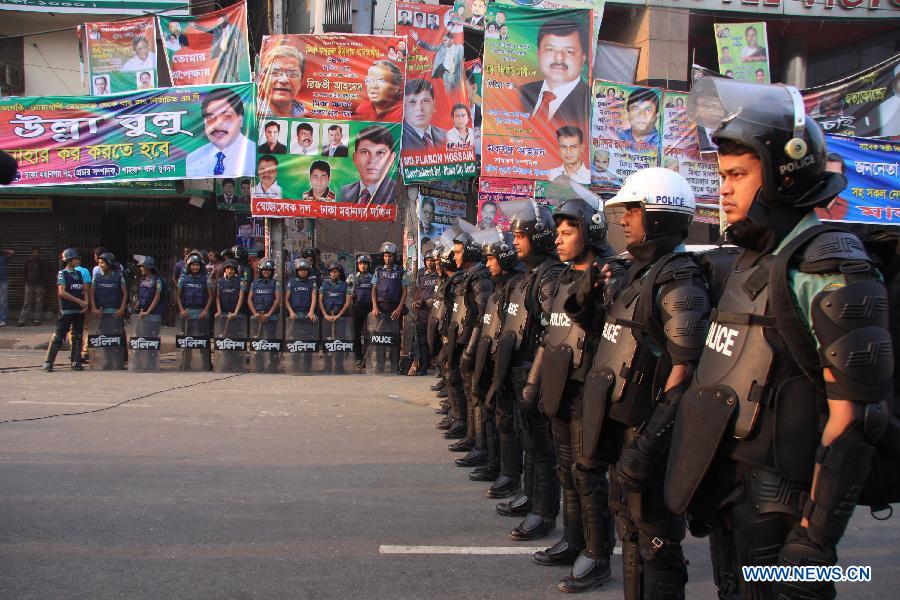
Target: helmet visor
point(715, 101)
point(563, 189)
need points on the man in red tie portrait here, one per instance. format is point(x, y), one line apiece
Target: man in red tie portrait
point(373, 154)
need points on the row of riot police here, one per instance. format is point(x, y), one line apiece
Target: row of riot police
point(329, 324)
point(744, 391)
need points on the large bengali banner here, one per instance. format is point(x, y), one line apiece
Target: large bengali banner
point(210, 48)
point(98, 7)
point(866, 104)
point(536, 94)
point(121, 55)
point(178, 133)
point(872, 194)
point(625, 133)
point(681, 150)
point(473, 81)
point(331, 111)
point(436, 210)
point(496, 20)
point(742, 52)
point(438, 118)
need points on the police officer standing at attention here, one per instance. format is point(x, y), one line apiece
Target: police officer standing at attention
point(335, 297)
point(151, 288)
point(558, 374)
point(774, 438)
point(300, 294)
point(425, 285)
point(109, 292)
point(527, 315)
point(231, 290)
point(72, 306)
point(389, 289)
point(312, 255)
point(469, 302)
point(265, 295)
point(654, 312)
point(361, 289)
point(194, 295)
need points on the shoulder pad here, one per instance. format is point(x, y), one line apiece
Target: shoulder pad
point(679, 267)
point(483, 285)
point(828, 252)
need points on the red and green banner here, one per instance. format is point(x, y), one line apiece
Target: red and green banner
point(210, 48)
point(121, 55)
point(177, 133)
point(331, 112)
point(536, 91)
point(438, 127)
point(681, 150)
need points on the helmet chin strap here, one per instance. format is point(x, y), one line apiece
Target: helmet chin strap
point(765, 225)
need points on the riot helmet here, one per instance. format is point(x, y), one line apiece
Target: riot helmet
point(301, 264)
point(389, 248)
point(241, 255)
point(230, 263)
point(471, 249)
point(574, 201)
point(148, 263)
point(70, 254)
point(499, 244)
point(109, 259)
point(665, 197)
point(533, 220)
point(267, 264)
point(363, 258)
point(228, 253)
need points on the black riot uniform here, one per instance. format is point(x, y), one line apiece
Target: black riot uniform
point(656, 312)
point(426, 281)
point(527, 312)
point(435, 314)
point(557, 376)
point(455, 421)
point(748, 442)
point(361, 306)
point(500, 255)
point(469, 303)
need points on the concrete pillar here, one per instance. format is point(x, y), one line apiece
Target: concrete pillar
point(793, 71)
point(662, 36)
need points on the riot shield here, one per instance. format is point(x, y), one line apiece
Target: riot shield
point(194, 345)
point(106, 345)
point(337, 346)
point(230, 344)
point(383, 353)
point(265, 346)
point(302, 347)
point(144, 344)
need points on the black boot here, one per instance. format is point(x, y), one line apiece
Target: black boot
point(567, 549)
point(591, 568)
point(545, 505)
point(532, 527)
point(76, 366)
point(517, 507)
point(484, 473)
point(445, 423)
point(505, 487)
point(439, 386)
point(587, 574)
point(52, 350)
point(474, 458)
point(464, 445)
point(443, 409)
point(457, 431)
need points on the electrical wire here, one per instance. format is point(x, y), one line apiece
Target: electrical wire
point(118, 404)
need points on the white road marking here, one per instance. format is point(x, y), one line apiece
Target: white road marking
point(71, 403)
point(498, 550)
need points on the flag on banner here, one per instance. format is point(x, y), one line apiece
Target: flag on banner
point(176, 133)
point(537, 96)
point(438, 127)
point(872, 195)
point(121, 55)
point(741, 48)
point(437, 209)
point(866, 104)
point(209, 48)
point(330, 124)
point(681, 150)
point(625, 133)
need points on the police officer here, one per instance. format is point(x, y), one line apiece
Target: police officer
point(446, 266)
point(361, 289)
point(245, 270)
point(389, 289)
point(335, 297)
point(557, 376)
point(426, 282)
point(773, 439)
point(265, 294)
point(527, 314)
point(194, 290)
point(109, 293)
point(231, 291)
point(653, 321)
point(72, 306)
point(312, 255)
point(443, 302)
point(500, 258)
point(301, 293)
point(151, 290)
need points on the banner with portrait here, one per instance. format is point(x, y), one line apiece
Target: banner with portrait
point(625, 133)
point(176, 133)
point(872, 169)
point(866, 104)
point(681, 150)
point(493, 191)
point(121, 55)
point(438, 121)
point(743, 53)
point(473, 78)
point(536, 92)
point(331, 112)
point(436, 209)
point(498, 17)
point(208, 48)
point(233, 194)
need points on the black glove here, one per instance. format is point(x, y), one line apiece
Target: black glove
point(635, 468)
point(587, 286)
point(531, 398)
point(800, 550)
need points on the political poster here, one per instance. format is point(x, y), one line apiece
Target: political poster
point(331, 111)
point(177, 133)
point(866, 104)
point(438, 121)
point(208, 48)
point(492, 192)
point(625, 133)
point(742, 51)
point(437, 209)
point(496, 21)
point(468, 14)
point(473, 80)
point(98, 7)
point(233, 194)
point(121, 55)
point(872, 169)
point(681, 150)
point(536, 91)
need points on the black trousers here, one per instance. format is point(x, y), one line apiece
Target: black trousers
point(360, 315)
point(75, 322)
point(422, 341)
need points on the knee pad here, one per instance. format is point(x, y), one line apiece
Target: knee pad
point(506, 423)
point(660, 553)
point(757, 538)
point(590, 481)
point(799, 550)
